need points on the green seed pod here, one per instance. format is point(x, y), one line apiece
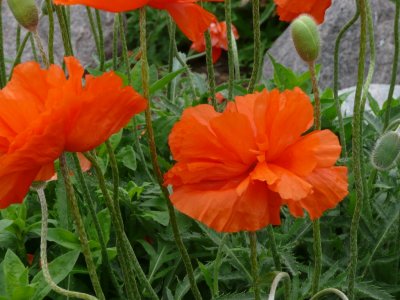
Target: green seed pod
point(386, 151)
point(25, 12)
point(306, 38)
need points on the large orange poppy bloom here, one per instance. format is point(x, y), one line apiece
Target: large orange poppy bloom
point(190, 17)
point(236, 169)
point(219, 40)
point(42, 114)
point(288, 10)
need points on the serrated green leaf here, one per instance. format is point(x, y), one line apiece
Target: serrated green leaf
point(15, 273)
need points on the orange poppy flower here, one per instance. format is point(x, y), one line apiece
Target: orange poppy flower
point(42, 114)
point(219, 40)
point(288, 10)
point(191, 18)
point(236, 169)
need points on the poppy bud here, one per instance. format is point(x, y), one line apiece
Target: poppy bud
point(386, 151)
point(306, 38)
point(25, 12)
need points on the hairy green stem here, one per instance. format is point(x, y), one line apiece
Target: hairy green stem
point(156, 167)
point(129, 77)
point(229, 33)
point(394, 65)
point(50, 41)
point(210, 69)
point(276, 257)
point(34, 52)
point(102, 54)
point(257, 45)
point(91, 205)
point(316, 224)
point(18, 38)
point(357, 152)
point(217, 264)
point(254, 265)
point(115, 43)
point(93, 29)
point(64, 31)
point(80, 227)
point(328, 291)
point(3, 76)
point(171, 54)
point(43, 253)
point(21, 49)
point(336, 80)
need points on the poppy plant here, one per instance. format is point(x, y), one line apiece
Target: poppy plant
point(190, 17)
point(42, 114)
point(235, 169)
point(288, 10)
point(219, 40)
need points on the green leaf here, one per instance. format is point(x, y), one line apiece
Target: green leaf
point(23, 292)
point(207, 275)
point(62, 237)
point(4, 224)
point(59, 270)
point(128, 157)
point(161, 83)
point(372, 292)
point(16, 275)
point(105, 223)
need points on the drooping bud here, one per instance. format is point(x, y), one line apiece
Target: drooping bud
point(386, 151)
point(306, 38)
point(25, 12)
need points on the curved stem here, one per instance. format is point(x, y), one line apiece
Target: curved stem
point(42, 52)
point(328, 291)
point(43, 253)
point(156, 167)
point(257, 45)
point(80, 227)
point(394, 66)
point(274, 285)
point(210, 68)
point(336, 80)
point(357, 152)
point(254, 265)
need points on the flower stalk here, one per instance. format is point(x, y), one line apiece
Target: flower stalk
point(257, 46)
point(153, 150)
point(43, 252)
point(357, 152)
point(80, 227)
point(210, 68)
point(254, 265)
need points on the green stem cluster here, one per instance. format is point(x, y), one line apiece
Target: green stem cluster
point(257, 46)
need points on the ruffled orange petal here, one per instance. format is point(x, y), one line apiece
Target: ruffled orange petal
point(330, 186)
point(319, 149)
point(191, 18)
point(102, 108)
point(219, 206)
point(112, 6)
point(291, 9)
point(14, 187)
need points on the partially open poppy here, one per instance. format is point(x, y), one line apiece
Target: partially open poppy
point(42, 114)
point(288, 10)
point(236, 169)
point(190, 17)
point(219, 39)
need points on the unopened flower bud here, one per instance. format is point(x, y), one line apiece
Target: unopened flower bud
point(386, 151)
point(25, 12)
point(306, 38)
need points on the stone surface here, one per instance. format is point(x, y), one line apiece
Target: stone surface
point(82, 39)
point(336, 17)
point(378, 91)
